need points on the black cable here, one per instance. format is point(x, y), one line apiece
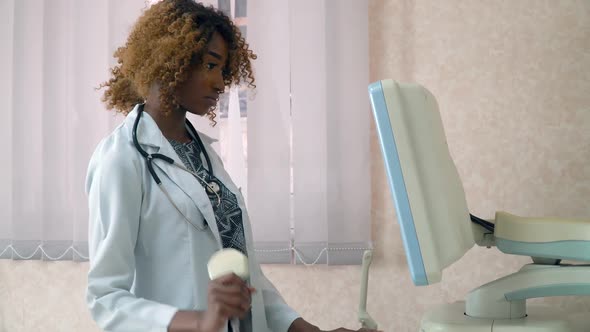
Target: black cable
point(483, 223)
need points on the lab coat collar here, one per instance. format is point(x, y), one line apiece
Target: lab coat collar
point(151, 139)
point(149, 135)
point(146, 135)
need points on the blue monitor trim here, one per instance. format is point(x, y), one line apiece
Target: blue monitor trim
point(397, 185)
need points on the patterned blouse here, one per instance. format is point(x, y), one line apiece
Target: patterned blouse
point(228, 214)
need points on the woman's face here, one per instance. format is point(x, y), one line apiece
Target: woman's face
point(201, 91)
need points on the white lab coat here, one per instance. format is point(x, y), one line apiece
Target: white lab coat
point(146, 261)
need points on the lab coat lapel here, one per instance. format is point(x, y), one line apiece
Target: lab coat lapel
point(151, 139)
point(258, 313)
point(259, 323)
point(191, 186)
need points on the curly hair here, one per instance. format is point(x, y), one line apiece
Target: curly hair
point(167, 41)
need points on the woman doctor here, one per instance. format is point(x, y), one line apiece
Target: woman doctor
point(160, 201)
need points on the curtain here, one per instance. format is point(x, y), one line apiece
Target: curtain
point(54, 54)
point(297, 146)
point(308, 131)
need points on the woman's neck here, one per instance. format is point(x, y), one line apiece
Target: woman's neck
point(172, 125)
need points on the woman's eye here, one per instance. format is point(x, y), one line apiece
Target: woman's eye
point(210, 66)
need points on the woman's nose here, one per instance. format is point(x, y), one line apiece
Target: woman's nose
point(219, 84)
point(218, 90)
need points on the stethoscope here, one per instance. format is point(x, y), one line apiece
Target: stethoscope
point(212, 185)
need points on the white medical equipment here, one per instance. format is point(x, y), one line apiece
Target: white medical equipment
point(363, 316)
point(226, 261)
point(437, 229)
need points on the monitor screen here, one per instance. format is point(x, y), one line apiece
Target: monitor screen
point(428, 194)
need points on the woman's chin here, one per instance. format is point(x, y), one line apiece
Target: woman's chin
point(199, 111)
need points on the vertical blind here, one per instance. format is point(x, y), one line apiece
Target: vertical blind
point(54, 54)
point(297, 146)
point(308, 130)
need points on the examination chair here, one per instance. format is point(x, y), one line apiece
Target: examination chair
point(437, 228)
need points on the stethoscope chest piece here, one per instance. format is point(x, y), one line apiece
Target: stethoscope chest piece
point(213, 187)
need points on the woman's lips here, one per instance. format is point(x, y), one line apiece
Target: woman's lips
point(211, 101)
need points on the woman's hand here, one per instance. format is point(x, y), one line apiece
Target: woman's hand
point(227, 297)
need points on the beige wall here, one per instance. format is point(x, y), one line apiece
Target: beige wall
point(513, 83)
